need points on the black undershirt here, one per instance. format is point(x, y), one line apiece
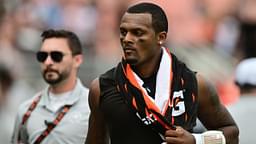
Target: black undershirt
point(150, 82)
point(150, 85)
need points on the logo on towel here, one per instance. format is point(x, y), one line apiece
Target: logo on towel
point(178, 106)
point(147, 120)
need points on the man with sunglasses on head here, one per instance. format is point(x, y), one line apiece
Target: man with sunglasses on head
point(59, 113)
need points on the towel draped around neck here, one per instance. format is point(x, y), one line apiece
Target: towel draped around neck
point(175, 100)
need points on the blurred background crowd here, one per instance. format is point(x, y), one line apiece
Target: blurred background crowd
point(210, 36)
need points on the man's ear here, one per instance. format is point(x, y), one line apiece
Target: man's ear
point(78, 60)
point(161, 37)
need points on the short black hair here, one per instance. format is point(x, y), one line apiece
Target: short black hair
point(159, 19)
point(73, 40)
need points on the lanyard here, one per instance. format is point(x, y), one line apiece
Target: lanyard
point(50, 126)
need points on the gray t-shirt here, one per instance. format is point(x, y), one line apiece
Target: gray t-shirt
point(72, 129)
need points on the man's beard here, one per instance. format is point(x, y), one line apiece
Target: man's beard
point(53, 81)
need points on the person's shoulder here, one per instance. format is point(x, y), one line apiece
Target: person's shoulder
point(108, 78)
point(207, 91)
point(108, 74)
point(204, 83)
point(85, 92)
point(83, 87)
point(200, 78)
point(83, 105)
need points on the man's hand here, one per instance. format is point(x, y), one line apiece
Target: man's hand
point(179, 136)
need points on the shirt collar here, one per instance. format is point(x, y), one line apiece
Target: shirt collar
point(72, 99)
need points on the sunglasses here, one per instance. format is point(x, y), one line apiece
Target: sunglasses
point(56, 56)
